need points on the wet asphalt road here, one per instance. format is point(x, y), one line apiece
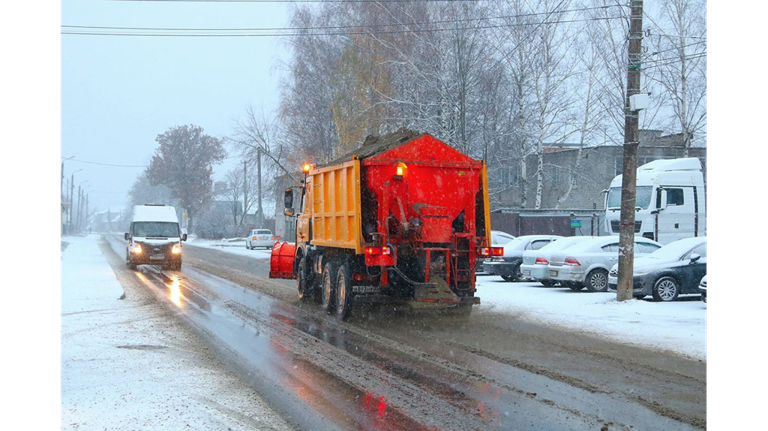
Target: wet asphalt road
point(386, 369)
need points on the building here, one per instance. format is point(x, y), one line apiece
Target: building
point(597, 167)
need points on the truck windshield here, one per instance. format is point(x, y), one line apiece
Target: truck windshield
point(155, 228)
point(642, 197)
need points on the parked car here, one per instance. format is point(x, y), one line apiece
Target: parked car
point(535, 262)
point(260, 238)
point(673, 270)
point(703, 288)
point(508, 266)
point(498, 239)
point(588, 262)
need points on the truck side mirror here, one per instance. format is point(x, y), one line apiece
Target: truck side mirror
point(288, 212)
point(127, 236)
point(288, 199)
point(184, 237)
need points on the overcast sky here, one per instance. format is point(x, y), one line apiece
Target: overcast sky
point(119, 92)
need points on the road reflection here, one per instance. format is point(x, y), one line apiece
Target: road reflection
point(175, 291)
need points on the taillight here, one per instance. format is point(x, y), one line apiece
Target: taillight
point(375, 251)
point(572, 261)
point(490, 251)
point(254, 238)
point(273, 237)
point(541, 261)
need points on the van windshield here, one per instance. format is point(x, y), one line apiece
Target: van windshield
point(642, 197)
point(156, 229)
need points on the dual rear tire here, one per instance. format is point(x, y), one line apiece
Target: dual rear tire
point(336, 290)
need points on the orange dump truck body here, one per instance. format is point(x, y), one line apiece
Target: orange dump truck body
point(403, 217)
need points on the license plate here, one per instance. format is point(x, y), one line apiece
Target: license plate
point(365, 289)
point(156, 257)
point(527, 273)
point(553, 273)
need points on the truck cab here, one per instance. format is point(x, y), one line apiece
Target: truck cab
point(669, 204)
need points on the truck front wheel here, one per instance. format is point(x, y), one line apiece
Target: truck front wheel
point(303, 283)
point(329, 288)
point(343, 292)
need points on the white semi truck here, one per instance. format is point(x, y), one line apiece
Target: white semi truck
point(670, 201)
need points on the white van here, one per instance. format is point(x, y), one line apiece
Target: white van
point(154, 237)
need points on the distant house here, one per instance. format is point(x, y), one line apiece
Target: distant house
point(108, 221)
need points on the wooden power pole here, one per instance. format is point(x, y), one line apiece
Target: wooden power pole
point(631, 141)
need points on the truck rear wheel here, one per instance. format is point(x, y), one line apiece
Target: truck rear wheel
point(343, 295)
point(329, 288)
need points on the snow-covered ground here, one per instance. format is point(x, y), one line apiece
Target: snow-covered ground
point(127, 364)
point(113, 375)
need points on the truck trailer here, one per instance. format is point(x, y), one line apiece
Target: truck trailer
point(403, 219)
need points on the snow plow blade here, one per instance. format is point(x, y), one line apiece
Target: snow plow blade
point(281, 261)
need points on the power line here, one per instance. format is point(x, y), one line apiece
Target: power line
point(108, 164)
point(81, 30)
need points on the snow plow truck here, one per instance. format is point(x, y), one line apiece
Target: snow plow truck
point(402, 220)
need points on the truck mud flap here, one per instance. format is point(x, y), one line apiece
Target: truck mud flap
point(281, 260)
point(438, 292)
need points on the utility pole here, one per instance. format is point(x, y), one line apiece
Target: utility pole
point(71, 200)
point(86, 211)
point(79, 207)
point(245, 190)
point(261, 212)
point(631, 141)
point(63, 190)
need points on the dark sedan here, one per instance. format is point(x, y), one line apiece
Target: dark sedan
point(673, 270)
point(508, 267)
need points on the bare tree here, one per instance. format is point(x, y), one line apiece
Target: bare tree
point(307, 96)
point(258, 141)
point(550, 79)
point(184, 163)
point(142, 192)
point(499, 79)
point(681, 64)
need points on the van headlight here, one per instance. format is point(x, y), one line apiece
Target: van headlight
point(136, 249)
point(176, 249)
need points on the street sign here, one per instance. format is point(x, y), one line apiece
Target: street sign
point(575, 223)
